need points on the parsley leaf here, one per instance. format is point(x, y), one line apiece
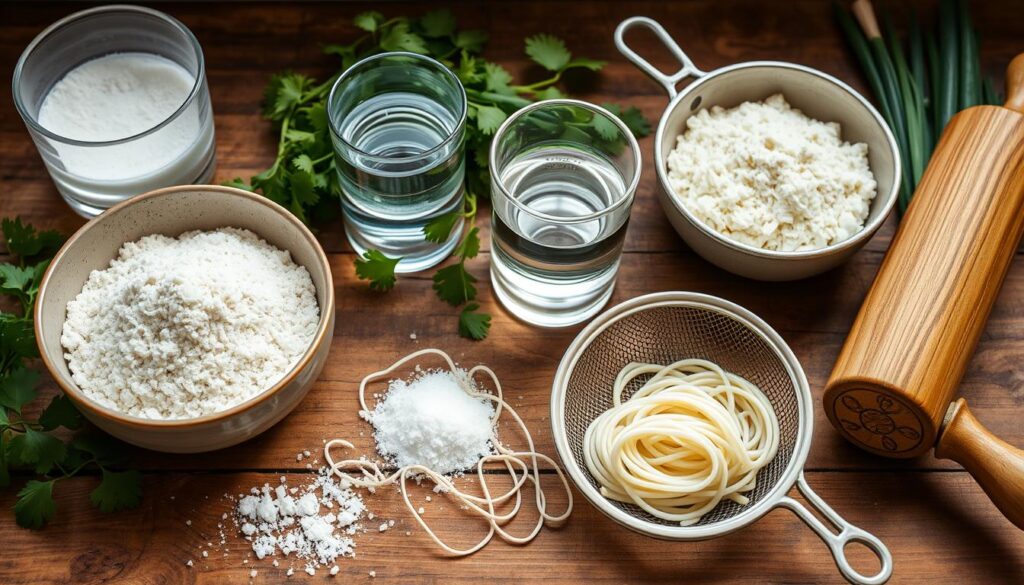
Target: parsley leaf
point(470, 245)
point(497, 79)
point(60, 413)
point(378, 269)
point(454, 284)
point(548, 51)
point(438, 23)
point(5, 473)
point(106, 450)
point(438, 229)
point(471, 40)
point(635, 121)
point(398, 37)
point(591, 64)
point(489, 118)
point(18, 388)
point(474, 325)
point(368, 21)
point(117, 490)
point(35, 504)
point(17, 341)
point(23, 240)
point(37, 448)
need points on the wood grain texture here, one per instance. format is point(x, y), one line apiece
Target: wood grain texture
point(922, 318)
point(938, 523)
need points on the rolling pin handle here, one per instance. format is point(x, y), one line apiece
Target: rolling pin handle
point(996, 465)
point(1015, 84)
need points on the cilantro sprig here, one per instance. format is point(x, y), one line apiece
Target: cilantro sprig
point(57, 444)
point(303, 177)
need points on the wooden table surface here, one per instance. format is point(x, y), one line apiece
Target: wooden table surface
point(937, 522)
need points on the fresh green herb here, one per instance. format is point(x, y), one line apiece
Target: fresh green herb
point(303, 176)
point(40, 447)
point(378, 269)
point(918, 95)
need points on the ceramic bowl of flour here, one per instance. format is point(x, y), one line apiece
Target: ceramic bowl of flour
point(171, 212)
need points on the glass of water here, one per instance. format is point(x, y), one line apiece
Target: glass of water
point(397, 122)
point(563, 176)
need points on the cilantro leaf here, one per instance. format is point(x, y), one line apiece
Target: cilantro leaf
point(470, 245)
point(15, 280)
point(497, 79)
point(106, 450)
point(635, 121)
point(5, 473)
point(238, 183)
point(283, 93)
point(468, 69)
point(473, 325)
point(18, 388)
point(489, 118)
point(454, 284)
point(378, 269)
point(38, 449)
point(438, 229)
point(605, 128)
point(60, 413)
point(438, 23)
point(35, 504)
point(117, 490)
point(23, 240)
point(368, 21)
point(548, 51)
point(591, 64)
point(549, 93)
point(398, 37)
point(471, 40)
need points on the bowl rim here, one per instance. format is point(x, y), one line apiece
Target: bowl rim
point(576, 470)
point(84, 402)
point(854, 241)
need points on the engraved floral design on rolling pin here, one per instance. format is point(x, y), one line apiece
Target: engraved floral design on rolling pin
point(886, 425)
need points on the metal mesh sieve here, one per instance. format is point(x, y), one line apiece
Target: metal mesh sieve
point(664, 331)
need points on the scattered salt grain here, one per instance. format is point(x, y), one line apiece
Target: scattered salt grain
point(373, 574)
point(188, 523)
point(189, 563)
point(252, 574)
point(334, 570)
point(421, 511)
point(280, 520)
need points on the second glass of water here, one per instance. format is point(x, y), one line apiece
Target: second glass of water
point(398, 121)
point(563, 176)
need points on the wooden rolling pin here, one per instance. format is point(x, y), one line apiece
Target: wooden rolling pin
point(891, 388)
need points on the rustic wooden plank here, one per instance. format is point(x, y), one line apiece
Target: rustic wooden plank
point(939, 527)
point(812, 316)
point(924, 516)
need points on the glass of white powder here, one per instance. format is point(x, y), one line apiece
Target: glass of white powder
point(116, 101)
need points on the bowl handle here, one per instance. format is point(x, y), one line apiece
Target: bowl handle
point(837, 542)
point(667, 81)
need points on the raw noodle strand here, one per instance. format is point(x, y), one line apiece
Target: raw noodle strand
point(372, 476)
point(689, 437)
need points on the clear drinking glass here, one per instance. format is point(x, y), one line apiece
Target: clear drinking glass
point(563, 176)
point(397, 122)
point(93, 176)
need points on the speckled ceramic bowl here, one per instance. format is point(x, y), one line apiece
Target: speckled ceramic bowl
point(171, 212)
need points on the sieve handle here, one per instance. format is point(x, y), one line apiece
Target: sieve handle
point(667, 81)
point(837, 542)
